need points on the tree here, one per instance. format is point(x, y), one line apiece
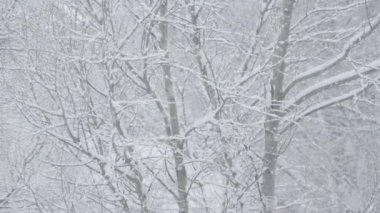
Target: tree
point(193, 105)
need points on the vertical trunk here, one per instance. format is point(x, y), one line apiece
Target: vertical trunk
point(206, 80)
point(138, 179)
point(272, 119)
point(178, 145)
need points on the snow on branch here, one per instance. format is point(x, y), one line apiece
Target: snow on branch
point(316, 70)
point(335, 80)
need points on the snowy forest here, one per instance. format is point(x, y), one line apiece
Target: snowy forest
point(189, 106)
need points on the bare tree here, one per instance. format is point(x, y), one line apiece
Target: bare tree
point(193, 105)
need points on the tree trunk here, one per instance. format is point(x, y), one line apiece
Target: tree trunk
point(178, 145)
point(272, 119)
